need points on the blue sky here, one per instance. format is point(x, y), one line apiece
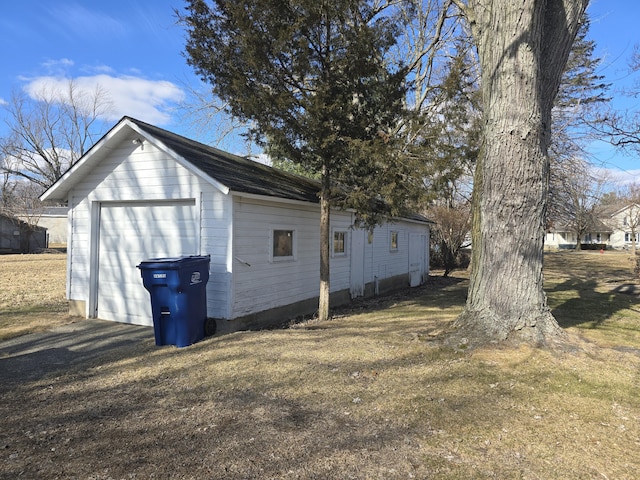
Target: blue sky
point(132, 49)
point(614, 27)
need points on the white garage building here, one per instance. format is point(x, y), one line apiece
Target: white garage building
point(143, 192)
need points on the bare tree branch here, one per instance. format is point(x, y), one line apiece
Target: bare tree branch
point(49, 133)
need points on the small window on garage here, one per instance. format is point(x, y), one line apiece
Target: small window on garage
point(339, 243)
point(284, 245)
point(393, 243)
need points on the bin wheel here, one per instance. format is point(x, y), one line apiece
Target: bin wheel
point(209, 327)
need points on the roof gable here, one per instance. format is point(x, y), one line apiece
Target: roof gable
point(224, 170)
point(618, 208)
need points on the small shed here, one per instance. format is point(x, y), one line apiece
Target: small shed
point(54, 219)
point(143, 192)
point(17, 236)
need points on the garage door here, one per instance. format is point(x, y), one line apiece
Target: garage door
point(129, 234)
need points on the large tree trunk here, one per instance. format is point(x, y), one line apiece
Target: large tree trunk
point(523, 48)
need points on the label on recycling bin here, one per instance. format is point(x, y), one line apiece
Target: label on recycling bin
point(159, 275)
point(195, 278)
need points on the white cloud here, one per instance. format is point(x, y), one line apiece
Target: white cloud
point(98, 70)
point(3, 102)
point(618, 177)
point(147, 100)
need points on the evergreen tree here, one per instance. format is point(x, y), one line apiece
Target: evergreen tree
point(451, 142)
point(581, 90)
point(310, 75)
point(451, 128)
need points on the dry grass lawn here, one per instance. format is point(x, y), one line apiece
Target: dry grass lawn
point(376, 393)
point(32, 293)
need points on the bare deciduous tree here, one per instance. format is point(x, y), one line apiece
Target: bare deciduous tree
point(576, 202)
point(209, 119)
point(50, 132)
point(622, 127)
point(449, 233)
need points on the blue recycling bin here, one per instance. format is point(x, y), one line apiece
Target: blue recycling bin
point(177, 286)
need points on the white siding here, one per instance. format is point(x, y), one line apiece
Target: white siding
point(78, 248)
point(143, 173)
point(385, 262)
point(381, 261)
point(258, 283)
point(215, 224)
point(617, 239)
point(621, 223)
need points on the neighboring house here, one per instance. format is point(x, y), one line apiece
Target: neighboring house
point(17, 236)
point(613, 228)
point(561, 237)
point(143, 192)
point(624, 221)
point(54, 219)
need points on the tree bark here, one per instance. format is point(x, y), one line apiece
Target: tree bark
point(325, 237)
point(523, 48)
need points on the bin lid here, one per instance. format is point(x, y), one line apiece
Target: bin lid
point(174, 263)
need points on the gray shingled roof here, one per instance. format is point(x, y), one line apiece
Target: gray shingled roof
point(239, 174)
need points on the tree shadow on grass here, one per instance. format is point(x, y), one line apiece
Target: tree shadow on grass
point(591, 307)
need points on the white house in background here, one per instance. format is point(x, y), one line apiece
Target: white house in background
point(561, 237)
point(614, 228)
point(143, 192)
point(624, 221)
